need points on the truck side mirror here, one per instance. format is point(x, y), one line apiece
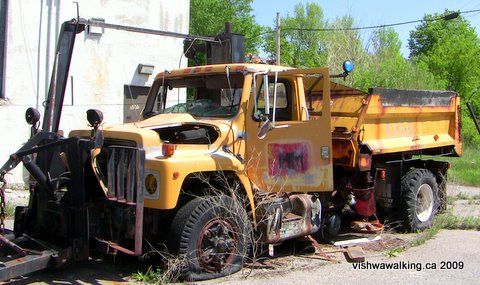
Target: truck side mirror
point(264, 129)
point(94, 117)
point(32, 116)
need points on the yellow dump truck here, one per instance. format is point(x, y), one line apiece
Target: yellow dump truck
point(257, 154)
point(255, 147)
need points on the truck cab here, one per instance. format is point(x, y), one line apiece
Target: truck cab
point(243, 138)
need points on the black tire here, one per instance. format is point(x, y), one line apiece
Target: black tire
point(419, 199)
point(213, 234)
point(331, 225)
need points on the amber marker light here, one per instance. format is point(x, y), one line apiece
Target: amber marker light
point(168, 149)
point(364, 162)
point(382, 174)
point(176, 174)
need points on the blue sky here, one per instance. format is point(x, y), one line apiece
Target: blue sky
point(371, 12)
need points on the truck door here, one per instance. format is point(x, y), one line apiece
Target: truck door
point(286, 151)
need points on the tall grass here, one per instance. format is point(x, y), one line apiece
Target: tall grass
point(465, 170)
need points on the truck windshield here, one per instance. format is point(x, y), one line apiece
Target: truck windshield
point(200, 96)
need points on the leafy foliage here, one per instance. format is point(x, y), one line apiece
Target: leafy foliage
point(300, 46)
point(450, 49)
point(344, 44)
point(385, 66)
point(208, 17)
point(444, 50)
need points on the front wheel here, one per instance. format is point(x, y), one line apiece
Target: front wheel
point(419, 199)
point(213, 235)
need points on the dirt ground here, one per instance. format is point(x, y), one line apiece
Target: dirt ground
point(297, 263)
point(292, 256)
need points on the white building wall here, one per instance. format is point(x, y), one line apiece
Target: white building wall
point(101, 64)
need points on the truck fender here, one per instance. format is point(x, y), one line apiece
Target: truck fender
point(249, 192)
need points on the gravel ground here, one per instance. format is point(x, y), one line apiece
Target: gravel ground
point(449, 248)
point(411, 267)
point(454, 190)
point(469, 204)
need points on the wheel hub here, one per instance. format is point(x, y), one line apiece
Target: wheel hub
point(216, 245)
point(424, 203)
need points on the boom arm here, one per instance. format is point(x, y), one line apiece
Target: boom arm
point(58, 82)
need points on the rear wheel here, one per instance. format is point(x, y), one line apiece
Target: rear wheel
point(419, 199)
point(213, 234)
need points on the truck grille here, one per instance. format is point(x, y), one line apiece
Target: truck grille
point(122, 168)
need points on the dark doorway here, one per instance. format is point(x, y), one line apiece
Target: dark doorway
point(134, 102)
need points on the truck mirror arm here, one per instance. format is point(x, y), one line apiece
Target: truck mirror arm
point(267, 126)
point(264, 129)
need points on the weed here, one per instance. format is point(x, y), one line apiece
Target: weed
point(151, 276)
point(209, 188)
point(450, 221)
point(462, 196)
point(9, 210)
point(472, 200)
point(426, 235)
point(451, 200)
point(395, 251)
point(169, 270)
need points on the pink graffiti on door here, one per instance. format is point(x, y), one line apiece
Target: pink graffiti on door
point(287, 159)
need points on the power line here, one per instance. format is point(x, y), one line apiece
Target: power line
point(447, 17)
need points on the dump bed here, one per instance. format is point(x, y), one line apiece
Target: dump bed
point(386, 121)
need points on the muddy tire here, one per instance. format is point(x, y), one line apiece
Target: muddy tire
point(331, 226)
point(212, 234)
point(419, 199)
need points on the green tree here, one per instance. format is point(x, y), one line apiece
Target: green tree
point(208, 18)
point(385, 66)
point(343, 42)
point(301, 45)
point(450, 49)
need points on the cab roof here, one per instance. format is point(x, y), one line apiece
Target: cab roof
point(221, 68)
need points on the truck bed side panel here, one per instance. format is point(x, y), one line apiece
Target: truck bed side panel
point(404, 120)
point(390, 121)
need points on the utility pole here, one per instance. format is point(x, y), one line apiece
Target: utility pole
point(278, 38)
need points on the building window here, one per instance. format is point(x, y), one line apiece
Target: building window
point(3, 44)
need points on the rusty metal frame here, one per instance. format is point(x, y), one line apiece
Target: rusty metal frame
point(119, 181)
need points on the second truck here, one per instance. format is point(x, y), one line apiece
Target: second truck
point(258, 154)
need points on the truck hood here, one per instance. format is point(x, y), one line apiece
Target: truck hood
point(165, 120)
point(182, 129)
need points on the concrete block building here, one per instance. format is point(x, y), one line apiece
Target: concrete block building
point(105, 71)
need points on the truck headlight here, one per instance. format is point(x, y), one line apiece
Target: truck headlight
point(151, 184)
